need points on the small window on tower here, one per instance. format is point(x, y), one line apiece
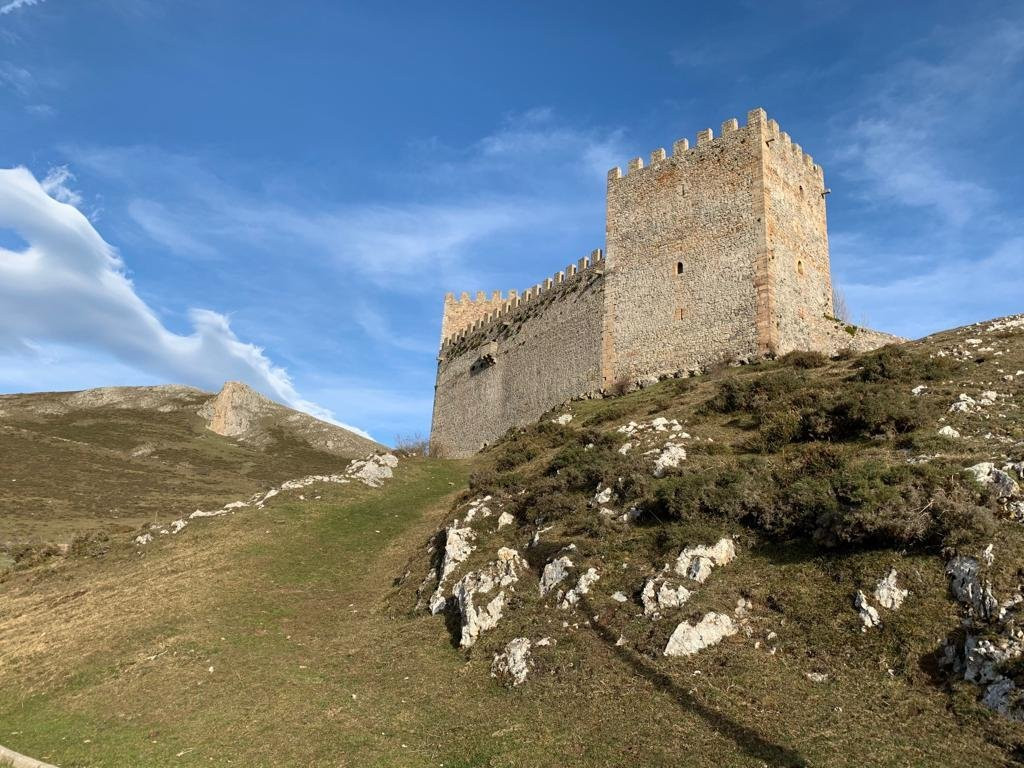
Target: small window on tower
point(679, 268)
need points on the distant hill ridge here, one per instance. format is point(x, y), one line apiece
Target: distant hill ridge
point(76, 464)
point(237, 411)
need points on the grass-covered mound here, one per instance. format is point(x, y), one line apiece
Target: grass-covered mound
point(287, 635)
point(826, 475)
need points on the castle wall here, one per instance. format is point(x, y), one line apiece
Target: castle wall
point(715, 252)
point(797, 242)
point(539, 351)
point(695, 207)
point(461, 313)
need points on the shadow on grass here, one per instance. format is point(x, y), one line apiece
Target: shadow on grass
point(745, 738)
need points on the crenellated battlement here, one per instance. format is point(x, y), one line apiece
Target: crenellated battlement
point(757, 122)
point(717, 250)
point(466, 315)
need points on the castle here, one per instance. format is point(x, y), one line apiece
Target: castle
point(716, 252)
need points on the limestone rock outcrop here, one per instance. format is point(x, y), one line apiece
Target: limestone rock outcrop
point(512, 665)
point(240, 412)
point(689, 639)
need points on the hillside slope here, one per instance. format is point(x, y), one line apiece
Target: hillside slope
point(801, 549)
point(75, 464)
point(312, 630)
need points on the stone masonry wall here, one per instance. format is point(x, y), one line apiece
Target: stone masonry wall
point(800, 276)
point(698, 208)
point(523, 362)
point(461, 313)
point(715, 252)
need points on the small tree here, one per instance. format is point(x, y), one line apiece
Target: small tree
point(839, 306)
point(412, 445)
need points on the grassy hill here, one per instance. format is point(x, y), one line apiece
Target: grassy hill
point(296, 634)
point(76, 467)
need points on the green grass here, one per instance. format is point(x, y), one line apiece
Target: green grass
point(69, 475)
point(287, 649)
point(304, 609)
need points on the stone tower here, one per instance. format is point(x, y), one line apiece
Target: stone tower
point(716, 252)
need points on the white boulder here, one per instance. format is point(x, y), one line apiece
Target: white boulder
point(583, 585)
point(969, 589)
point(554, 573)
point(697, 562)
point(458, 546)
point(669, 458)
point(1003, 696)
point(868, 614)
point(512, 665)
point(373, 470)
point(477, 618)
point(985, 472)
point(688, 639)
point(659, 595)
point(888, 593)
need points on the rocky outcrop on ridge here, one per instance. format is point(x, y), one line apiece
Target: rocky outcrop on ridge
point(240, 412)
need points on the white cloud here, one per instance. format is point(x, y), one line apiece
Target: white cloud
point(41, 110)
point(68, 287)
point(17, 79)
point(532, 175)
point(898, 145)
point(504, 211)
point(56, 185)
point(945, 292)
point(937, 242)
point(898, 160)
point(15, 5)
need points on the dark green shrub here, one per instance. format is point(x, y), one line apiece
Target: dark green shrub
point(545, 500)
point(89, 545)
point(514, 454)
point(875, 411)
point(778, 428)
point(804, 359)
point(734, 493)
point(487, 481)
point(896, 363)
point(612, 412)
point(752, 393)
point(679, 386)
point(582, 469)
point(830, 495)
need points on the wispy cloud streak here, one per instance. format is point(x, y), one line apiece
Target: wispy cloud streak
point(69, 287)
point(16, 5)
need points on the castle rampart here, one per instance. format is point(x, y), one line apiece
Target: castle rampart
point(718, 251)
point(539, 350)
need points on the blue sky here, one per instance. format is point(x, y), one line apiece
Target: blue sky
point(283, 192)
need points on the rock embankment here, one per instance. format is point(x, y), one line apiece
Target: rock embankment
point(992, 639)
point(371, 471)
